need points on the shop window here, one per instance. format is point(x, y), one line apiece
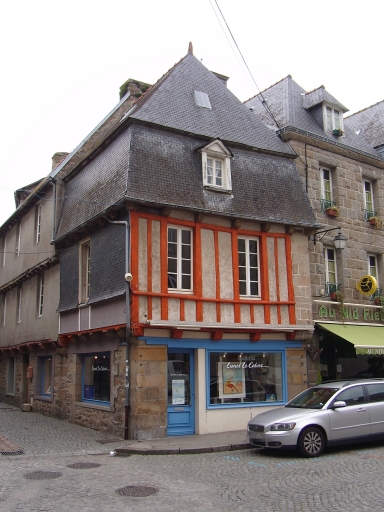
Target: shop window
point(44, 377)
point(179, 259)
point(254, 377)
point(96, 378)
point(85, 271)
point(11, 374)
point(249, 277)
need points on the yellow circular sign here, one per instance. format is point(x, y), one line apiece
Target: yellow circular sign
point(367, 285)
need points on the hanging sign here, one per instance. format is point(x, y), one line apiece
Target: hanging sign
point(367, 285)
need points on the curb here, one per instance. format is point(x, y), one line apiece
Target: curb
point(182, 451)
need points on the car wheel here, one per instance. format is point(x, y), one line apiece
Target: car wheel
point(311, 442)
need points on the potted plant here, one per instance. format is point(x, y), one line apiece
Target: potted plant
point(333, 296)
point(375, 221)
point(337, 132)
point(333, 211)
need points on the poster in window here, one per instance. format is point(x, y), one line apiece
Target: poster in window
point(178, 392)
point(231, 381)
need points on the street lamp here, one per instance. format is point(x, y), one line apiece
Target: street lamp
point(340, 241)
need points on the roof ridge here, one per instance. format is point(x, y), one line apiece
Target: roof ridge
point(316, 89)
point(269, 87)
point(366, 108)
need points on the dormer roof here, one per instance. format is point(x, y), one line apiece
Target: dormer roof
point(320, 95)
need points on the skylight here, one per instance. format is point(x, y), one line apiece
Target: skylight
point(202, 99)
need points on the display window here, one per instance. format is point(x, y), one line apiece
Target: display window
point(245, 377)
point(97, 378)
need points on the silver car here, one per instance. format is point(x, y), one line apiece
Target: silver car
point(331, 413)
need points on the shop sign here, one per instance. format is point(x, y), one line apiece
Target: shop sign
point(352, 313)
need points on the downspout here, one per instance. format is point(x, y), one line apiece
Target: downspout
point(306, 168)
point(128, 278)
point(53, 183)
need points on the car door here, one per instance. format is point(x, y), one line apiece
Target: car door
point(376, 407)
point(353, 420)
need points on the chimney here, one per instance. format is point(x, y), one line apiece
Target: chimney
point(135, 88)
point(58, 158)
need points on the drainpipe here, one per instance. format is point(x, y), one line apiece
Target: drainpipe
point(128, 278)
point(53, 183)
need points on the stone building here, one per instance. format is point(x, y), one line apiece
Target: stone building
point(184, 300)
point(342, 169)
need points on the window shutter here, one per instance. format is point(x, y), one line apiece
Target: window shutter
point(204, 164)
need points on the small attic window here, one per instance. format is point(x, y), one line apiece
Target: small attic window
point(333, 120)
point(202, 99)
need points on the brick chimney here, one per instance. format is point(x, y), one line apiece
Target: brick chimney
point(58, 158)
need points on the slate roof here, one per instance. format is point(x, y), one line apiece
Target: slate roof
point(286, 101)
point(161, 168)
point(319, 95)
point(369, 123)
point(170, 103)
point(155, 159)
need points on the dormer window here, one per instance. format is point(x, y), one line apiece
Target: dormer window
point(216, 166)
point(333, 120)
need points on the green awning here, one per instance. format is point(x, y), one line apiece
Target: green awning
point(367, 339)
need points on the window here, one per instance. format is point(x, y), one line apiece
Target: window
point(249, 276)
point(85, 271)
point(333, 119)
point(202, 99)
point(245, 377)
point(326, 186)
point(37, 223)
point(372, 266)
point(4, 308)
point(331, 285)
point(179, 258)
point(19, 303)
point(3, 250)
point(45, 364)
point(40, 294)
point(368, 200)
point(376, 392)
point(96, 378)
point(11, 373)
point(216, 163)
point(18, 238)
point(352, 396)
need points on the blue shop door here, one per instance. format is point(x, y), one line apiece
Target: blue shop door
point(181, 408)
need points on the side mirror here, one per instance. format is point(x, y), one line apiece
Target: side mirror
point(338, 404)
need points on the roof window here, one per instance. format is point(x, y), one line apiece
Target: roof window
point(202, 99)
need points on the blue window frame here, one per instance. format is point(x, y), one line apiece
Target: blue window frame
point(96, 378)
point(45, 376)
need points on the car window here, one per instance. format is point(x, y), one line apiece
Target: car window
point(376, 392)
point(352, 396)
point(313, 398)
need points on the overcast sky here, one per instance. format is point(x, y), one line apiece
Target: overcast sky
point(63, 62)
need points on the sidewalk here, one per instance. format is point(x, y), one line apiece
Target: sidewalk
point(30, 433)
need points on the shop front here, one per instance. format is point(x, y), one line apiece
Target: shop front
point(351, 340)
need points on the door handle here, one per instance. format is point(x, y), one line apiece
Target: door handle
point(362, 409)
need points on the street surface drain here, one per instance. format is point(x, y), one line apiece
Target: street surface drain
point(137, 491)
point(13, 453)
point(42, 475)
point(83, 465)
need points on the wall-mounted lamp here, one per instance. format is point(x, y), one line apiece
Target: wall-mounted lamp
point(340, 241)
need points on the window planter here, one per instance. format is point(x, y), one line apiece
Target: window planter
point(333, 211)
point(338, 132)
point(377, 222)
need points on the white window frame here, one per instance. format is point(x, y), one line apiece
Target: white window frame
point(18, 238)
point(38, 223)
point(40, 295)
point(19, 303)
point(216, 152)
point(248, 267)
point(368, 196)
point(180, 259)
point(325, 181)
point(84, 270)
point(327, 270)
point(332, 118)
point(373, 268)
point(11, 376)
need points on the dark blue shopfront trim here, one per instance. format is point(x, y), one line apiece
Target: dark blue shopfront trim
point(232, 346)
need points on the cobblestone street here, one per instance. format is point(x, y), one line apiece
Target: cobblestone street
point(83, 476)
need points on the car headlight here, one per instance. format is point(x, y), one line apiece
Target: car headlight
point(283, 426)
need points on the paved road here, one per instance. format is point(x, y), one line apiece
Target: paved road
point(247, 480)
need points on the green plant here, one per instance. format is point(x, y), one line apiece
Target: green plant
point(340, 299)
point(376, 221)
